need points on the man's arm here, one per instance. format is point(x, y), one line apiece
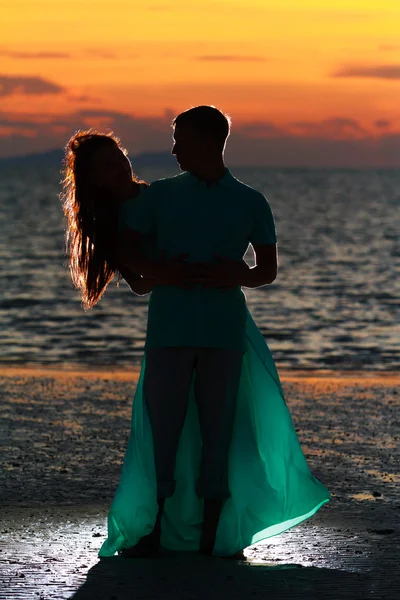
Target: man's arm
point(266, 268)
point(173, 271)
point(264, 242)
point(226, 273)
point(130, 254)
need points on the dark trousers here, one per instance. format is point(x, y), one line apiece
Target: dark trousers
point(168, 376)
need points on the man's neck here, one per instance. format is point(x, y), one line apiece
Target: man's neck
point(210, 174)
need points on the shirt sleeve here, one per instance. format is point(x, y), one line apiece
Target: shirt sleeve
point(263, 231)
point(142, 212)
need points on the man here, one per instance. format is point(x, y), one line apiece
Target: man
point(208, 218)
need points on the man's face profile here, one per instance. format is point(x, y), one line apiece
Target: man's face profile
point(190, 147)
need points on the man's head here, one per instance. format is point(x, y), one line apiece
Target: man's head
point(200, 135)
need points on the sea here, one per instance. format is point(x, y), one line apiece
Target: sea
point(334, 305)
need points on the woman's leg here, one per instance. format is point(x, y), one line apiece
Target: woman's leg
point(166, 388)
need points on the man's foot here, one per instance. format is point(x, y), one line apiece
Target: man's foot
point(207, 545)
point(237, 556)
point(212, 511)
point(147, 546)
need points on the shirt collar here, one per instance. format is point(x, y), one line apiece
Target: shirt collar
point(226, 180)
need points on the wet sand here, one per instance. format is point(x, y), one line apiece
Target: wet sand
point(63, 438)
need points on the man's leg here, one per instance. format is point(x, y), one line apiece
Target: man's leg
point(166, 389)
point(217, 381)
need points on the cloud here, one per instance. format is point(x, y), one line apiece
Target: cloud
point(95, 53)
point(322, 152)
point(85, 98)
point(102, 54)
point(141, 134)
point(90, 53)
point(34, 55)
point(301, 144)
point(382, 123)
point(260, 129)
point(229, 58)
point(331, 128)
point(11, 85)
point(138, 134)
point(375, 72)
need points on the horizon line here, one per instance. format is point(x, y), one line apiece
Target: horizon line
point(21, 157)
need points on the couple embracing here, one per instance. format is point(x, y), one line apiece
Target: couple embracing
point(213, 462)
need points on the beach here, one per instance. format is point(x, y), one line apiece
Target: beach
point(63, 441)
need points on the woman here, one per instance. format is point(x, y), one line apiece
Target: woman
point(271, 486)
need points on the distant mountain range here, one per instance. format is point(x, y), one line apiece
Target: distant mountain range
point(55, 157)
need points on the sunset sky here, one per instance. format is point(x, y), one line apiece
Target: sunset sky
point(305, 81)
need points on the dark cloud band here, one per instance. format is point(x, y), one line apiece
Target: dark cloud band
point(375, 72)
point(11, 85)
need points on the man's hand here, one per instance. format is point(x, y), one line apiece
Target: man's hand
point(223, 274)
point(176, 271)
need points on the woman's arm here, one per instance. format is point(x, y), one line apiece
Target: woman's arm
point(226, 273)
point(172, 271)
point(138, 284)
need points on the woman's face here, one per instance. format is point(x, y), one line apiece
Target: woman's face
point(111, 170)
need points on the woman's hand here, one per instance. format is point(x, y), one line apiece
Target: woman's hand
point(225, 273)
point(177, 272)
point(138, 284)
point(141, 286)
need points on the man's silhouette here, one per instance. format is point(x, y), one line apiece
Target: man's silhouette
point(197, 334)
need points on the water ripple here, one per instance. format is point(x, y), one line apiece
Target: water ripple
point(335, 303)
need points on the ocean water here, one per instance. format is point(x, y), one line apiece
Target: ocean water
point(334, 305)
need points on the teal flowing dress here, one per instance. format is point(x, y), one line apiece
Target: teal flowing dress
point(272, 488)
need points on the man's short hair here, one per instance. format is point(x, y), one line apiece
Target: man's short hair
point(206, 119)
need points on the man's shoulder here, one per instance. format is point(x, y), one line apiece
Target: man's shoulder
point(247, 191)
point(168, 183)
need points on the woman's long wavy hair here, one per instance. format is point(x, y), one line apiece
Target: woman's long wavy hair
point(92, 225)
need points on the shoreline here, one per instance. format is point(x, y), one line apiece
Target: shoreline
point(131, 373)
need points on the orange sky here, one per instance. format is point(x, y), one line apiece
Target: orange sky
point(294, 64)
